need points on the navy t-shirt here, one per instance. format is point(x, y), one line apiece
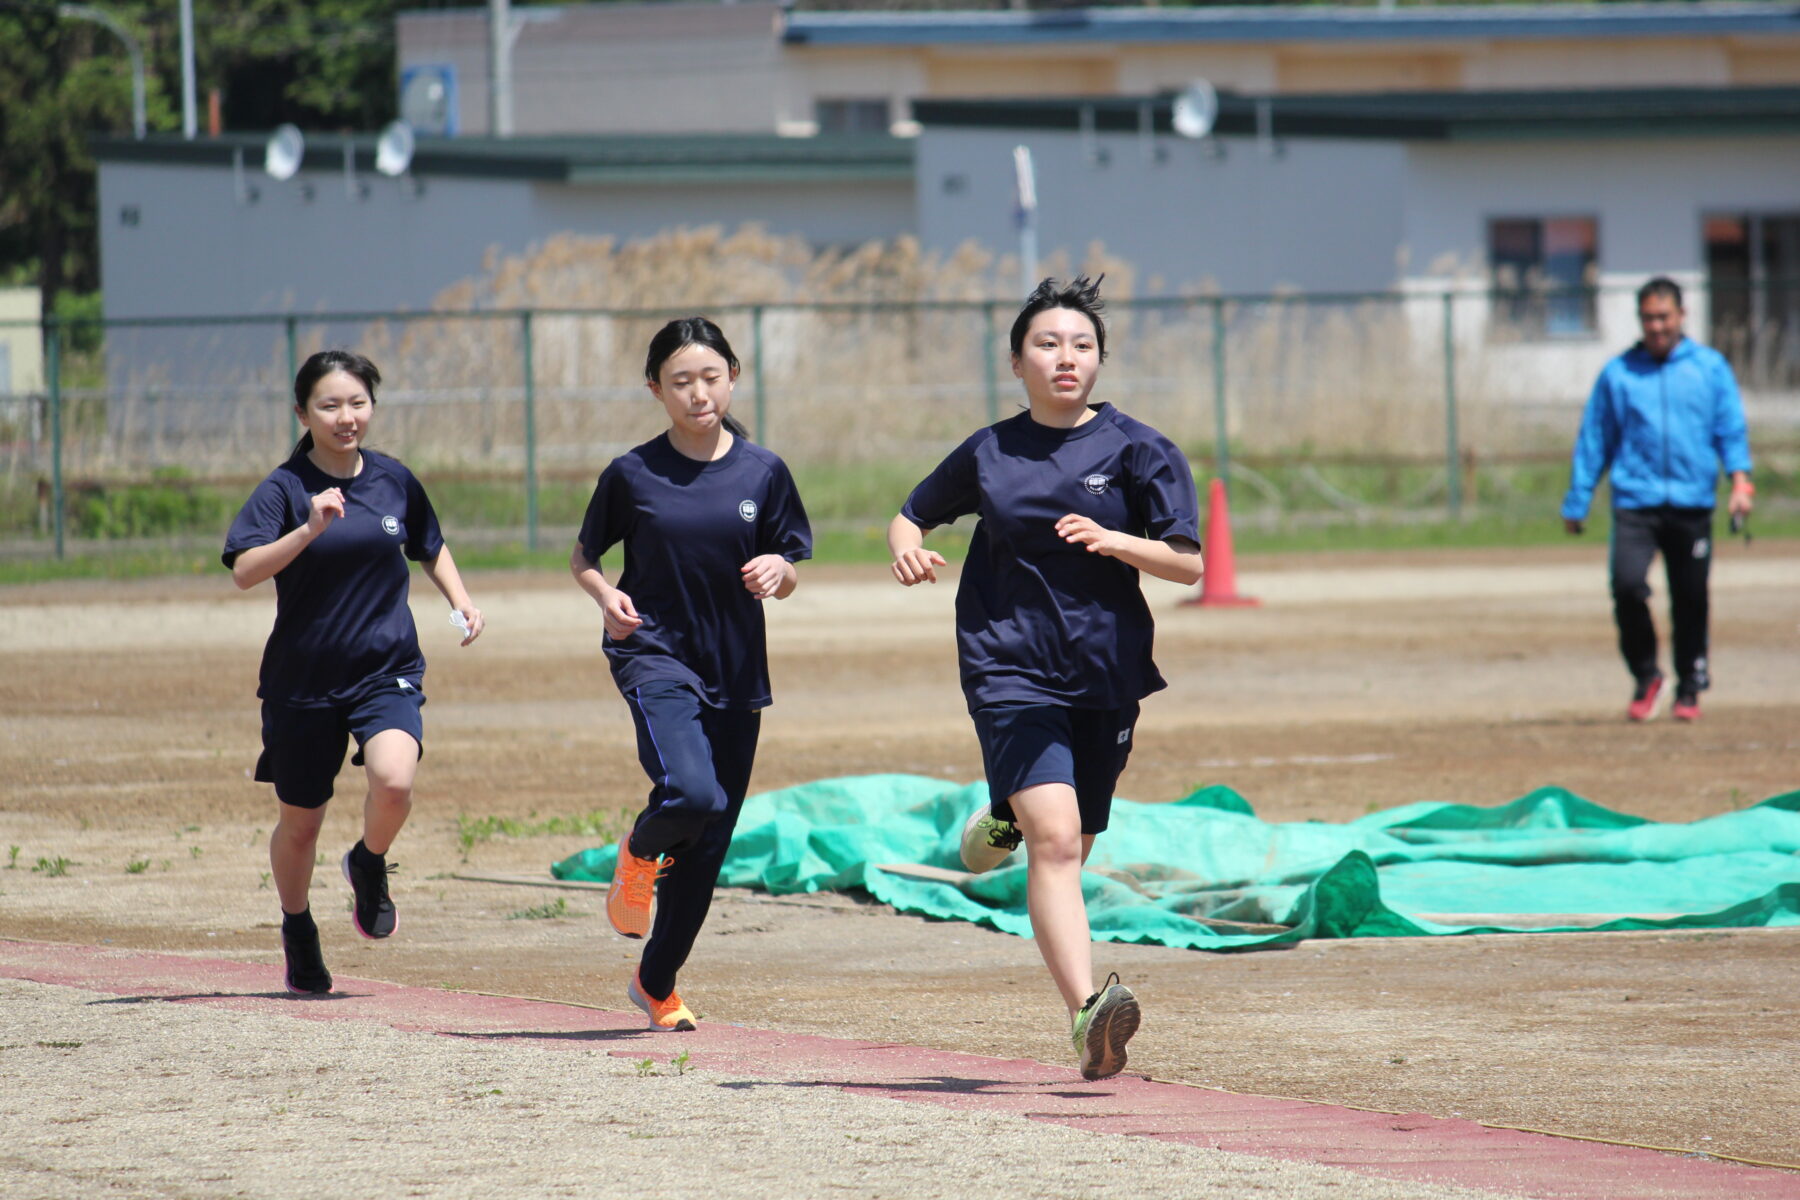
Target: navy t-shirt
point(688, 528)
point(1040, 620)
point(342, 626)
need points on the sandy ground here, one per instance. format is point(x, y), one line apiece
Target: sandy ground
point(1360, 684)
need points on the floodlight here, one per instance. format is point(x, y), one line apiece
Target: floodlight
point(1196, 108)
point(287, 146)
point(394, 148)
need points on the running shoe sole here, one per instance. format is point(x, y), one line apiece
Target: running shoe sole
point(354, 919)
point(1114, 1021)
point(978, 854)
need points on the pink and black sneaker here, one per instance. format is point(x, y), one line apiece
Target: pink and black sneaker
point(373, 913)
point(1648, 699)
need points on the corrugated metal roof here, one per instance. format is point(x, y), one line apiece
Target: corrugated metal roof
point(1409, 115)
point(660, 158)
point(1312, 23)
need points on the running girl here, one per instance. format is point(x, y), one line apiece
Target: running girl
point(334, 526)
point(1052, 631)
point(712, 526)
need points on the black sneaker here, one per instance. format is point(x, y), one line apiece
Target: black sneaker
point(306, 973)
point(373, 913)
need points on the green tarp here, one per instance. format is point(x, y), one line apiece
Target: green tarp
point(1161, 866)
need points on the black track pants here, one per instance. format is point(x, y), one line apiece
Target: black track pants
point(1683, 536)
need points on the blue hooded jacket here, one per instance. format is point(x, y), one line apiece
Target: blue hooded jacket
point(1663, 427)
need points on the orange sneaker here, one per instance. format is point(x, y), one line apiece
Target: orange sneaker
point(666, 1016)
point(633, 890)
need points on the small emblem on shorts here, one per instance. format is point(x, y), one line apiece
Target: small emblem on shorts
point(1096, 483)
point(747, 509)
point(1124, 736)
point(391, 524)
point(1702, 547)
point(404, 685)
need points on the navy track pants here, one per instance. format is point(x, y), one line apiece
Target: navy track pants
point(699, 760)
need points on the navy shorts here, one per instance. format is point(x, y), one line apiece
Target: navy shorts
point(1023, 745)
point(304, 747)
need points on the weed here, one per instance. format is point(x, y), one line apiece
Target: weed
point(12, 857)
point(195, 852)
point(263, 885)
point(680, 1063)
point(61, 1045)
point(606, 824)
point(1398, 1060)
point(51, 867)
point(137, 866)
point(558, 907)
point(646, 1066)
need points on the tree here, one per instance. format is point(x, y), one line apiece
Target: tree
point(322, 64)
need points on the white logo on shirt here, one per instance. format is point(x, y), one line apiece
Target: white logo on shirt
point(391, 524)
point(1096, 483)
point(747, 509)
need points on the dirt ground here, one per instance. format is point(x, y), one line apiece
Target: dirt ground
point(1361, 683)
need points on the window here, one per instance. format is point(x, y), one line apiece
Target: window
point(1753, 277)
point(851, 116)
point(1543, 272)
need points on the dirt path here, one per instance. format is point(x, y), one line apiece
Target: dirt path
point(1362, 683)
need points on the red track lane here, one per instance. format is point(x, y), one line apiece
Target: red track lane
point(1411, 1147)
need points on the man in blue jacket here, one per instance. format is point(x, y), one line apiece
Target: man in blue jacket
point(1663, 416)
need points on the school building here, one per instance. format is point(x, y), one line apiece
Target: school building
point(1487, 148)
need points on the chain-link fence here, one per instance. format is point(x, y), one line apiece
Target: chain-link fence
point(1420, 405)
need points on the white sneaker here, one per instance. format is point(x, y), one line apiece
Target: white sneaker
point(987, 841)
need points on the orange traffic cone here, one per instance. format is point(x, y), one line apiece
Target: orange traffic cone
point(1219, 585)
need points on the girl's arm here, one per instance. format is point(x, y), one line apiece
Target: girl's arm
point(771, 577)
point(1177, 560)
point(442, 572)
point(617, 612)
point(258, 563)
point(912, 562)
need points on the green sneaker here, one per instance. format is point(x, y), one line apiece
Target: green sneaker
point(1103, 1026)
point(987, 841)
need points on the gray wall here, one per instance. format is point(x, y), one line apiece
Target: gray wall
point(196, 249)
point(1649, 195)
point(1324, 216)
point(613, 68)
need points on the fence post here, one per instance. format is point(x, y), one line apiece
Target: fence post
point(531, 471)
point(1221, 435)
point(756, 352)
point(53, 379)
point(1452, 455)
point(293, 366)
point(990, 378)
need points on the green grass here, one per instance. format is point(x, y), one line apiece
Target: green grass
point(600, 823)
point(1324, 507)
point(550, 910)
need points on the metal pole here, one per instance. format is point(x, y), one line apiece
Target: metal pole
point(756, 394)
point(500, 107)
point(531, 473)
point(86, 12)
point(293, 369)
point(190, 119)
point(53, 373)
point(1452, 459)
point(990, 370)
point(1221, 430)
point(1025, 185)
